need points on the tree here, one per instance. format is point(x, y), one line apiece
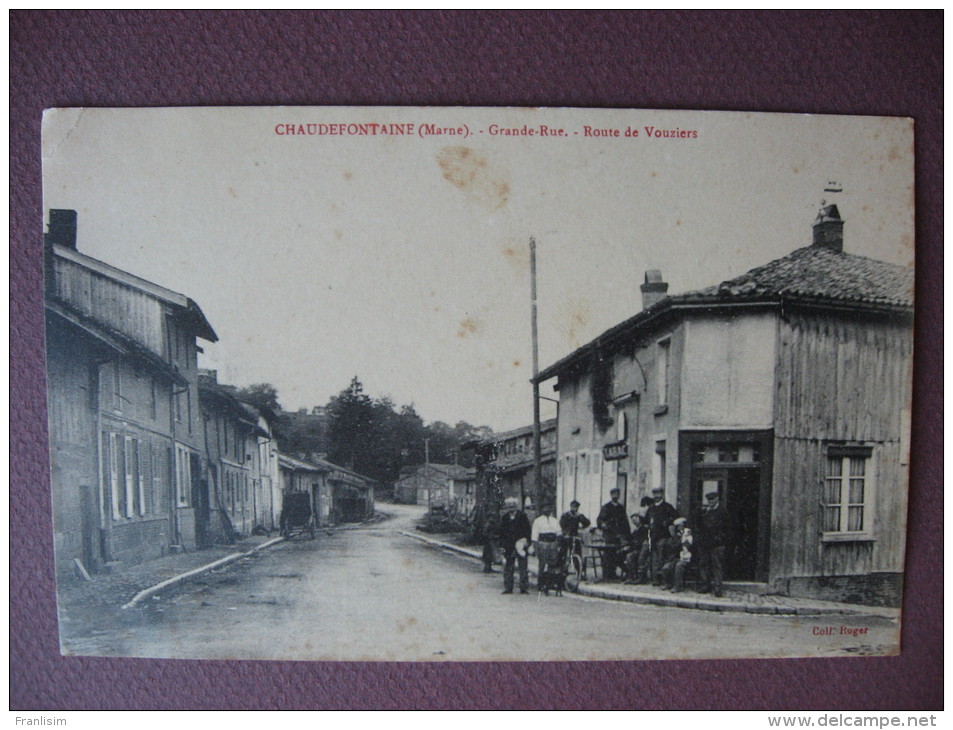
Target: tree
point(351, 428)
point(261, 395)
point(377, 439)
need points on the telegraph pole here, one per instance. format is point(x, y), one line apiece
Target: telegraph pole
point(537, 457)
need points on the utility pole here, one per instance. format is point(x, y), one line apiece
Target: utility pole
point(428, 482)
point(537, 448)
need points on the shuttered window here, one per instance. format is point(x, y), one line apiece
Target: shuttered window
point(157, 453)
point(112, 458)
point(183, 473)
point(141, 463)
point(131, 476)
point(662, 373)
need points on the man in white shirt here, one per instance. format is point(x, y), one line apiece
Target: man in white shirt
point(546, 530)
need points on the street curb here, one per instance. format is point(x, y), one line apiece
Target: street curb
point(468, 552)
point(152, 590)
point(700, 604)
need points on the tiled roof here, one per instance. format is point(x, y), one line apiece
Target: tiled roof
point(450, 471)
point(320, 465)
point(813, 274)
point(547, 425)
point(515, 462)
point(454, 471)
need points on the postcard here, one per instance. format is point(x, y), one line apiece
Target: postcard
point(466, 384)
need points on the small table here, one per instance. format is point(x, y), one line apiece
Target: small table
point(599, 560)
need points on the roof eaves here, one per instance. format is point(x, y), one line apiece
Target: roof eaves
point(119, 342)
point(184, 304)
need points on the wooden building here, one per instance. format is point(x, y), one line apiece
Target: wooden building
point(242, 459)
point(337, 494)
point(432, 484)
point(787, 388)
point(125, 436)
point(507, 466)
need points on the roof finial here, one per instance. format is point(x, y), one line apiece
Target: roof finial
point(832, 187)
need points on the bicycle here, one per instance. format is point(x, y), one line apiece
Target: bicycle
point(573, 566)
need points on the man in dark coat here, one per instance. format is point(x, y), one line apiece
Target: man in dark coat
point(515, 533)
point(615, 529)
point(573, 520)
point(660, 517)
point(489, 526)
point(713, 530)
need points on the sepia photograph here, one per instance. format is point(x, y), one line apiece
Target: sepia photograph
point(477, 384)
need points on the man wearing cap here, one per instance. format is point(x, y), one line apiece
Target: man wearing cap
point(515, 534)
point(573, 520)
point(712, 538)
point(615, 529)
point(545, 531)
point(659, 516)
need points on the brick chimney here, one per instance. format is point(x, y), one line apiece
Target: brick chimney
point(62, 228)
point(828, 226)
point(654, 289)
point(829, 229)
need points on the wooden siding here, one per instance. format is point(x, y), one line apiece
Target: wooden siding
point(134, 313)
point(74, 482)
point(843, 379)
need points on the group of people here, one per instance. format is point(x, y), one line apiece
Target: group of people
point(658, 548)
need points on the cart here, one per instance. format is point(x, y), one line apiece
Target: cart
point(297, 515)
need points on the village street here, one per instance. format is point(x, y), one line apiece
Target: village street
point(371, 593)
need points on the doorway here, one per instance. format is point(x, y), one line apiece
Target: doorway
point(738, 466)
point(739, 490)
point(200, 502)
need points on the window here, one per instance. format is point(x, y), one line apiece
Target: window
point(658, 464)
point(156, 478)
point(183, 473)
point(132, 476)
point(727, 453)
point(662, 365)
point(154, 399)
point(141, 476)
point(113, 445)
point(111, 386)
point(848, 485)
point(117, 386)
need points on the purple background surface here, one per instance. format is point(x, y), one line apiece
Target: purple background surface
point(842, 63)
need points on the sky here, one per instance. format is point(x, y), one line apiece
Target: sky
point(403, 258)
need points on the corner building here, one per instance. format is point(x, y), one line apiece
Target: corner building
point(787, 389)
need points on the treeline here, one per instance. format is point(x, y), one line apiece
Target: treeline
point(372, 436)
